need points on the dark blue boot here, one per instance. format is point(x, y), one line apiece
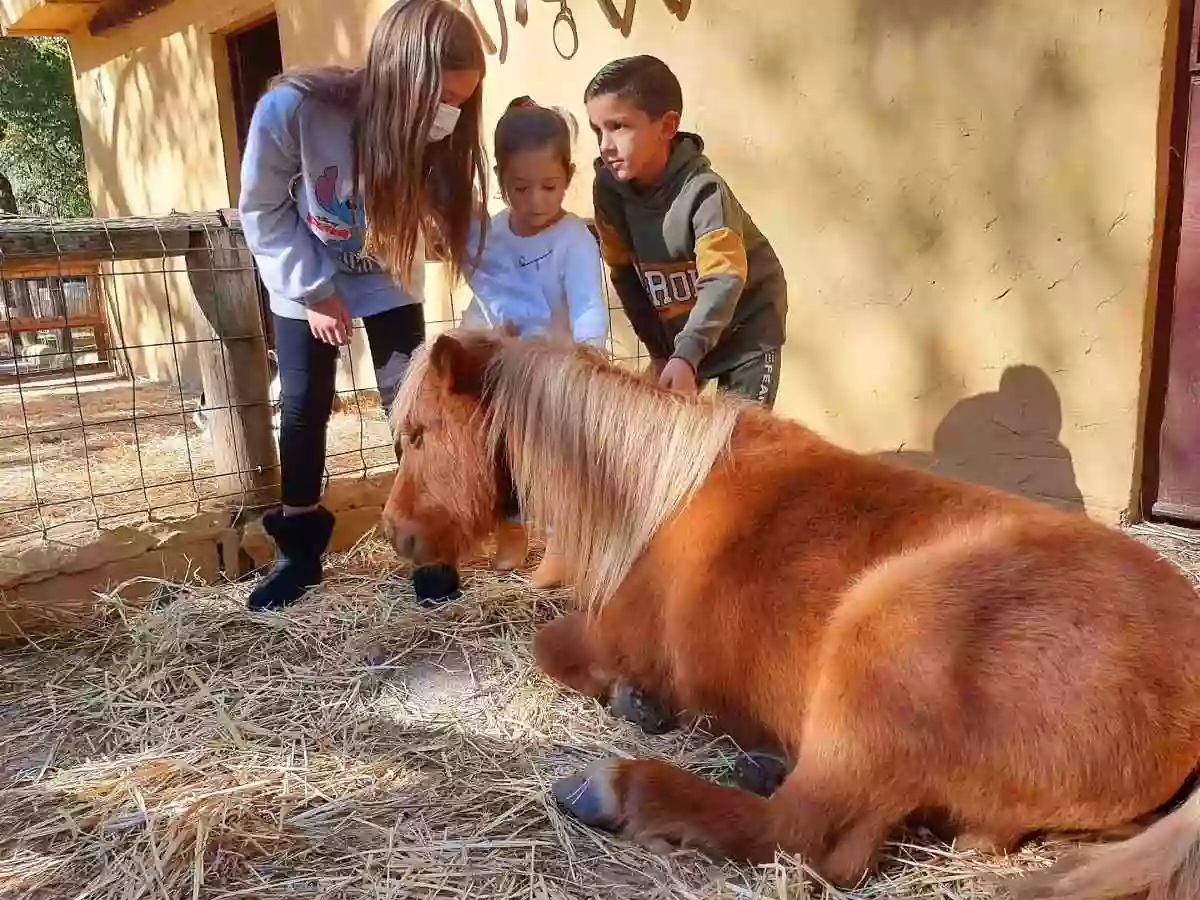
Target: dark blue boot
point(299, 542)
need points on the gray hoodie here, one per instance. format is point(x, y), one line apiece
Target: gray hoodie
point(297, 213)
point(694, 274)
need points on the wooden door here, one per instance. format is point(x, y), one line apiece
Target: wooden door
point(1173, 450)
point(255, 58)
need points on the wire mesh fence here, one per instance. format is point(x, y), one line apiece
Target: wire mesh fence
point(137, 376)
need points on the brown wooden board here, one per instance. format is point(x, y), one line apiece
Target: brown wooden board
point(1178, 489)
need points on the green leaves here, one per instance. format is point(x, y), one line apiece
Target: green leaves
point(41, 147)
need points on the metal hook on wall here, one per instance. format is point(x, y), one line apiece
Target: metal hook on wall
point(565, 16)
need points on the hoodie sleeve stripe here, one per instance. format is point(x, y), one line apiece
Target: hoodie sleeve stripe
point(721, 252)
point(612, 248)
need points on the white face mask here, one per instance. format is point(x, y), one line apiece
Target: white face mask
point(444, 121)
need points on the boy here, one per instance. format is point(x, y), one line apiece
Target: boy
point(702, 287)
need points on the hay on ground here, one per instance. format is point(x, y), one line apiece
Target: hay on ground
point(356, 747)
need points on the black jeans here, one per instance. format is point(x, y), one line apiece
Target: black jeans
point(755, 379)
point(307, 383)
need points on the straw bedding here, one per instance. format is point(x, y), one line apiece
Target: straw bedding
point(358, 747)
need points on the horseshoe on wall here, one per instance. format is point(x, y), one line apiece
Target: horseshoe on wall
point(623, 23)
point(610, 13)
point(489, 46)
point(678, 8)
point(468, 7)
point(503, 30)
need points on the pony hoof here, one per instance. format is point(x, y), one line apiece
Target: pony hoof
point(760, 773)
point(632, 705)
point(435, 584)
point(589, 796)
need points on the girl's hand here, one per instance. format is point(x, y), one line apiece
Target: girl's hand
point(329, 321)
point(678, 375)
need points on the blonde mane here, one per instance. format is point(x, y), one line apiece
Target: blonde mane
point(599, 456)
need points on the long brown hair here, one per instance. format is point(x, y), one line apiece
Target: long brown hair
point(409, 182)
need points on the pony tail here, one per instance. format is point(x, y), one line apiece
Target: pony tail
point(527, 125)
point(527, 102)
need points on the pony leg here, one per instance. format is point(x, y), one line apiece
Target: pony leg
point(646, 712)
point(760, 772)
point(551, 572)
point(990, 841)
point(566, 650)
point(656, 804)
point(512, 546)
point(836, 831)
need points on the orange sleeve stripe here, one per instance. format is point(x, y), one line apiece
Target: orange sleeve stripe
point(612, 248)
point(721, 252)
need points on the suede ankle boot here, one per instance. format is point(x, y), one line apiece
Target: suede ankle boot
point(299, 542)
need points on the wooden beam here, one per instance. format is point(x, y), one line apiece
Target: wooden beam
point(25, 240)
point(233, 366)
point(116, 13)
point(43, 269)
point(24, 325)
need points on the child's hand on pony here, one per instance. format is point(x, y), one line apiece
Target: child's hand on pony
point(679, 376)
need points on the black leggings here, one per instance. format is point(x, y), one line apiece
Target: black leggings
point(308, 380)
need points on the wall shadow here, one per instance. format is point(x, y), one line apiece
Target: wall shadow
point(1007, 439)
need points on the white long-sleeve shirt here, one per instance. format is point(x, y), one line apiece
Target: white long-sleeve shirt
point(553, 277)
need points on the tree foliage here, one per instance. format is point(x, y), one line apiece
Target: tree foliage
point(41, 147)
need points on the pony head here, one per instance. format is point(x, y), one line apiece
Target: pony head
point(451, 483)
point(598, 456)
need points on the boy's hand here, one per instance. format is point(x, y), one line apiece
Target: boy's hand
point(329, 321)
point(654, 369)
point(678, 375)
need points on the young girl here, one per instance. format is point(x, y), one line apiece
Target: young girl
point(540, 270)
point(343, 171)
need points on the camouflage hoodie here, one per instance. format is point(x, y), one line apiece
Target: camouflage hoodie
point(693, 273)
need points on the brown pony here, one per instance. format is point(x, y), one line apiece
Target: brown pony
point(912, 646)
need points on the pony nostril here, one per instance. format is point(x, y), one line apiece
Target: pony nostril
point(406, 546)
point(404, 541)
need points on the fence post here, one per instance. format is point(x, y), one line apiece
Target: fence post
point(233, 365)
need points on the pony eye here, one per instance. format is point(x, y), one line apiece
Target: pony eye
point(414, 437)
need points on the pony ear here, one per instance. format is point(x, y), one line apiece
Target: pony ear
point(460, 367)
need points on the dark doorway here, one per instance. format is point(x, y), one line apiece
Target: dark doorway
point(255, 58)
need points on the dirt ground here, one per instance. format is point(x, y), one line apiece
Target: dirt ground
point(134, 447)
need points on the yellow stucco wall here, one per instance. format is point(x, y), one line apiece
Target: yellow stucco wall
point(148, 105)
point(963, 194)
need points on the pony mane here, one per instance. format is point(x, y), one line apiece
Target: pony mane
point(599, 456)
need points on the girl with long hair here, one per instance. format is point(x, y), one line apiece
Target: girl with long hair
point(345, 171)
